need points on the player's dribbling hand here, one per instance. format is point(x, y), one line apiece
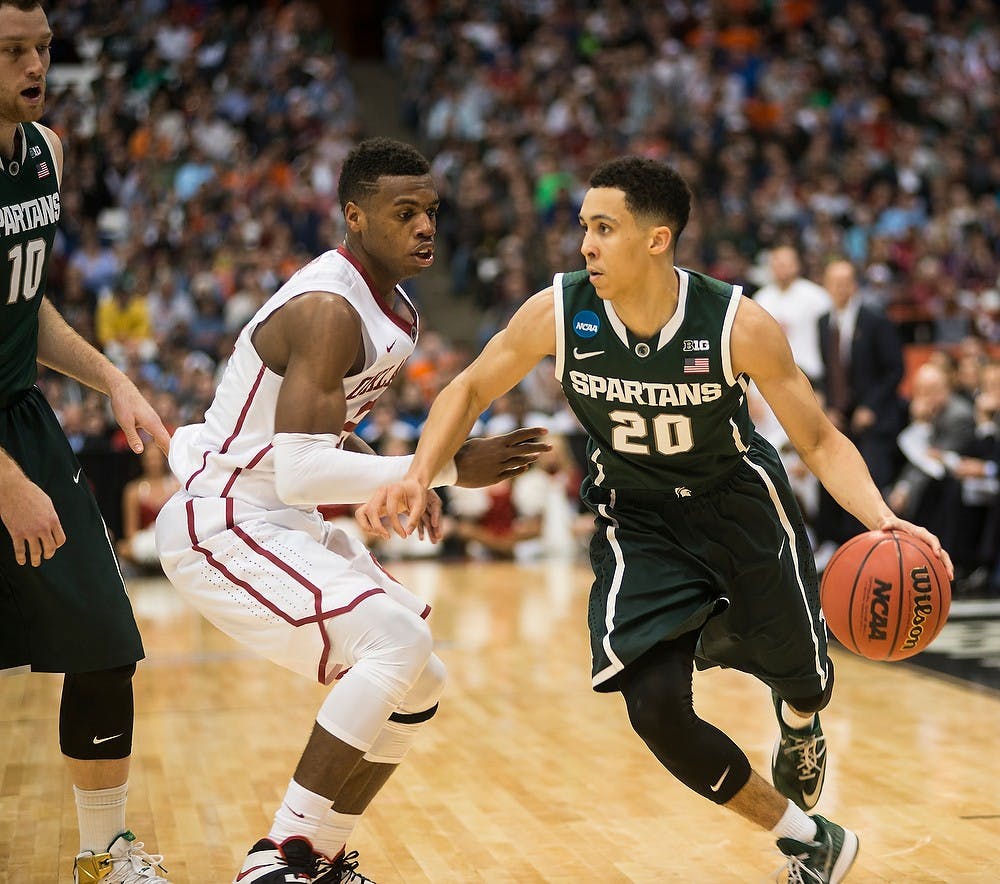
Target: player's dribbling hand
point(894, 523)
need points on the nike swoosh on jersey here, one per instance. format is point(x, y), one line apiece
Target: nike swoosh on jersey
point(76, 478)
point(99, 740)
point(578, 355)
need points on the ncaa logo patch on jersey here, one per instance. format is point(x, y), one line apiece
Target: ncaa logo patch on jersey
point(586, 324)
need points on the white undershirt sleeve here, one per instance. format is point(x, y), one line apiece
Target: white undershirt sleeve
point(310, 469)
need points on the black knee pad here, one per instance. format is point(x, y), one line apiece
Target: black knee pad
point(96, 714)
point(414, 717)
point(657, 692)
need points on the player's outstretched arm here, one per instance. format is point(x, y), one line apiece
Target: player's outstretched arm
point(760, 350)
point(62, 349)
point(506, 359)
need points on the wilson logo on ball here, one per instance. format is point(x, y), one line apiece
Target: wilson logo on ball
point(923, 607)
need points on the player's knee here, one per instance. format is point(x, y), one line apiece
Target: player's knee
point(427, 689)
point(659, 712)
point(411, 636)
point(391, 641)
point(666, 728)
point(95, 714)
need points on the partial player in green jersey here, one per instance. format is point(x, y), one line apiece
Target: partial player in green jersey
point(63, 606)
point(699, 554)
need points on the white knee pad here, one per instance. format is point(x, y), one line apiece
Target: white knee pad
point(418, 707)
point(388, 648)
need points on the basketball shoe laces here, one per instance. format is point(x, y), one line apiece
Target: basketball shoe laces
point(135, 866)
point(795, 871)
point(339, 871)
point(807, 752)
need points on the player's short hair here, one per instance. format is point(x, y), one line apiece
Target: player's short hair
point(372, 159)
point(653, 190)
point(23, 5)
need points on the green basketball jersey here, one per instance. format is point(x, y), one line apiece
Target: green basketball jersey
point(29, 216)
point(664, 414)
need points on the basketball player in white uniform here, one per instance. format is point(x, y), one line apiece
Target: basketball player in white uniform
point(244, 542)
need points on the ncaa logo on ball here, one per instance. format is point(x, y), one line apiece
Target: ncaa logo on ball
point(586, 324)
point(878, 610)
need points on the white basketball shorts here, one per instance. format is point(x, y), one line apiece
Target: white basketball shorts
point(279, 581)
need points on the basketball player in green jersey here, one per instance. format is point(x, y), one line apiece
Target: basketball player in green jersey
point(700, 555)
point(63, 606)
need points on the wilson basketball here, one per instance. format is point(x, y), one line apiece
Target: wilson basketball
point(885, 595)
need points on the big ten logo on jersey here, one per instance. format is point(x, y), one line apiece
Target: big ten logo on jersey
point(694, 346)
point(586, 324)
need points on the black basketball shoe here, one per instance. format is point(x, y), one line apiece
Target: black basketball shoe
point(268, 863)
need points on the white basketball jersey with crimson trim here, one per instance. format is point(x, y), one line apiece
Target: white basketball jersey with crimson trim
point(229, 455)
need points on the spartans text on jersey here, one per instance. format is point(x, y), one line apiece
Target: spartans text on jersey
point(643, 392)
point(30, 214)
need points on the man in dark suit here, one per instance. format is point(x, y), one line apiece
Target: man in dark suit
point(863, 365)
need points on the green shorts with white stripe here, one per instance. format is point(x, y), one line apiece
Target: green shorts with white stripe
point(733, 563)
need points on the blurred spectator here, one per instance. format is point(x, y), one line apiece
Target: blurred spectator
point(95, 261)
point(76, 307)
point(123, 324)
point(797, 304)
point(208, 325)
point(940, 420)
point(971, 502)
point(249, 297)
point(972, 359)
point(863, 366)
point(142, 500)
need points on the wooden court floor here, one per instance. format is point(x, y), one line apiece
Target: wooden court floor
point(525, 775)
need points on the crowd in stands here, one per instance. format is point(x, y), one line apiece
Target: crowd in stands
point(859, 129)
point(203, 142)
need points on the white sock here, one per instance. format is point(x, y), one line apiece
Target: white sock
point(334, 831)
point(794, 720)
point(301, 813)
point(795, 823)
point(101, 816)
